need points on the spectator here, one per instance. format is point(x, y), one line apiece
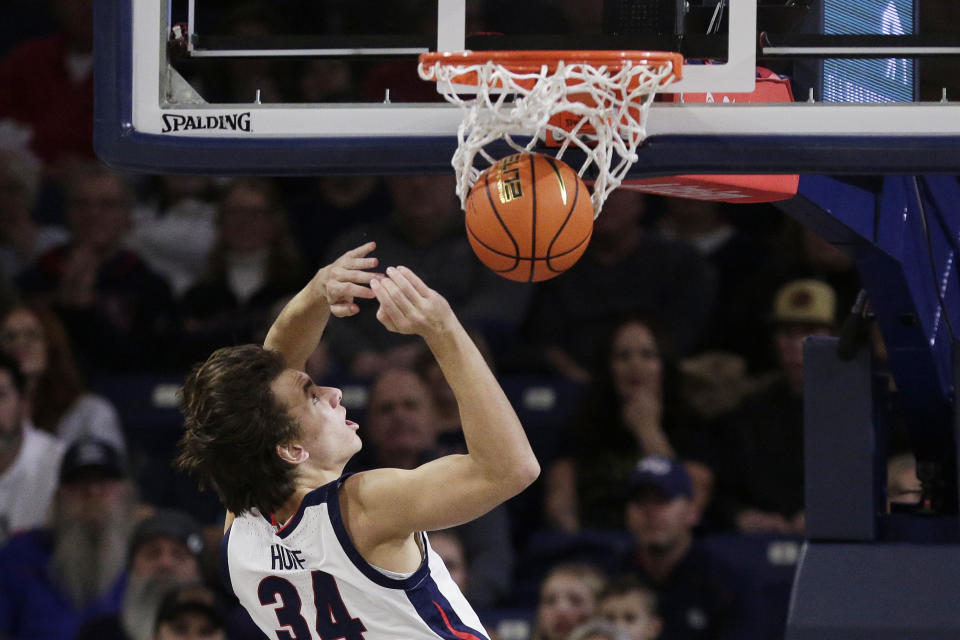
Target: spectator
point(54, 578)
point(55, 400)
point(117, 312)
point(189, 613)
point(623, 271)
point(568, 597)
point(164, 553)
point(698, 596)
point(802, 254)
point(254, 264)
point(22, 240)
point(424, 232)
point(632, 409)
point(46, 84)
point(175, 231)
point(631, 606)
point(598, 630)
point(761, 442)
point(736, 258)
point(401, 431)
point(29, 459)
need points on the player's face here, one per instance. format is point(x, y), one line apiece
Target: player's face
point(635, 363)
point(630, 612)
point(565, 602)
point(324, 429)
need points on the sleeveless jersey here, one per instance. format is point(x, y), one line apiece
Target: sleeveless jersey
point(307, 580)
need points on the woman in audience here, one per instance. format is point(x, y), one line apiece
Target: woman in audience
point(568, 598)
point(56, 397)
point(632, 410)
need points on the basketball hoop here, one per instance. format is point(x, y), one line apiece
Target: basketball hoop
point(596, 101)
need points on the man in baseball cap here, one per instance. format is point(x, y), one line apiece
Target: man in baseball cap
point(89, 458)
point(73, 566)
point(660, 516)
point(801, 308)
point(761, 487)
point(164, 552)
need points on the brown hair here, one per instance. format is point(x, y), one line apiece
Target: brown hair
point(60, 384)
point(233, 426)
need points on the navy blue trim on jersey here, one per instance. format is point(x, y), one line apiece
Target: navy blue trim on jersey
point(312, 499)
point(434, 609)
point(224, 561)
point(336, 519)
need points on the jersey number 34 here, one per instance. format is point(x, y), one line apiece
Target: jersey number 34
point(326, 597)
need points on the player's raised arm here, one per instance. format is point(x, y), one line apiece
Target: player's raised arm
point(297, 330)
point(454, 489)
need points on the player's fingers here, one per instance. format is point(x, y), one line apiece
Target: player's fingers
point(404, 284)
point(384, 319)
point(344, 309)
point(362, 250)
point(400, 299)
point(347, 290)
point(361, 263)
point(388, 313)
point(415, 280)
point(354, 275)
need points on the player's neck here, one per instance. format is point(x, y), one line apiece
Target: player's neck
point(308, 480)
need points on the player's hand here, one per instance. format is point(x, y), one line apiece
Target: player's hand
point(409, 306)
point(346, 278)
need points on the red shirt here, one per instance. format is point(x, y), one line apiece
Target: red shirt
point(36, 90)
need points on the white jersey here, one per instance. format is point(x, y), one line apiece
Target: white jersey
point(308, 580)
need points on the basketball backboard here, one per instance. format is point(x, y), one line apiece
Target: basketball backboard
point(159, 110)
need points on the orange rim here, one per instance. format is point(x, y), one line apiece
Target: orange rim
point(532, 61)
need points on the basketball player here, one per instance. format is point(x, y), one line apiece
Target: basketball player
point(312, 553)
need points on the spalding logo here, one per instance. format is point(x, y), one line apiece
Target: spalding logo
point(174, 122)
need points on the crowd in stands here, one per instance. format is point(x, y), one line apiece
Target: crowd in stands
point(662, 376)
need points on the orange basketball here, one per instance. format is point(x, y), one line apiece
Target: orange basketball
point(529, 217)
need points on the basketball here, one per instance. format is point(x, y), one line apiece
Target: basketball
point(529, 217)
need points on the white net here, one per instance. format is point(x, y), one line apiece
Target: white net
point(607, 113)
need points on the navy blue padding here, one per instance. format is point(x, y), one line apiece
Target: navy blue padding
point(119, 145)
